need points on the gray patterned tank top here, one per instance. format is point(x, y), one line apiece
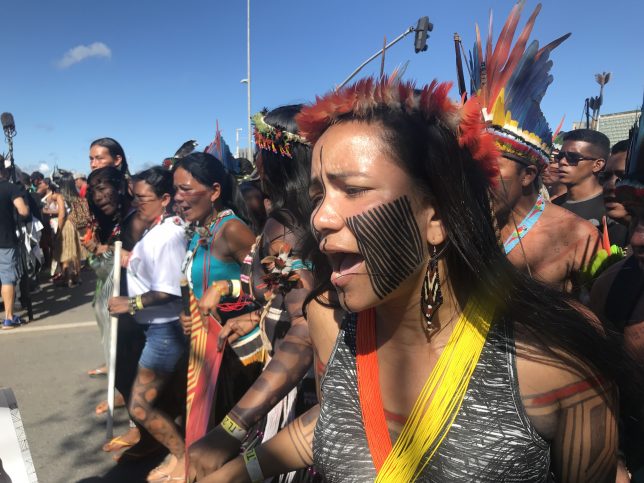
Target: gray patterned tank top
point(491, 440)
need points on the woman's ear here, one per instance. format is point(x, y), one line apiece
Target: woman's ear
point(435, 230)
point(165, 200)
point(216, 192)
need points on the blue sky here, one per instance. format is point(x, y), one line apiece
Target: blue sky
point(163, 72)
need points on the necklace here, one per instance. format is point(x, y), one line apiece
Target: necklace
point(207, 240)
point(438, 403)
point(525, 226)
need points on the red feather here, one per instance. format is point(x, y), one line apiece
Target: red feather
point(500, 55)
point(515, 56)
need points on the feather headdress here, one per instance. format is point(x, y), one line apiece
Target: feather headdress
point(369, 95)
point(630, 190)
point(511, 81)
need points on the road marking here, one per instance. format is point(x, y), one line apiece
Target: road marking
point(45, 328)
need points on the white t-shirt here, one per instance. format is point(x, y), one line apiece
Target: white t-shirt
point(155, 264)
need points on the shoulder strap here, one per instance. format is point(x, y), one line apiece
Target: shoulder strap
point(624, 293)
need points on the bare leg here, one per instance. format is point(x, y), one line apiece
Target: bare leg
point(8, 294)
point(146, 389)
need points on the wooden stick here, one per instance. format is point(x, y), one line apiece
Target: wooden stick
point(114, 324)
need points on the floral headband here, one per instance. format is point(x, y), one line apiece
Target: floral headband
point(273, 139)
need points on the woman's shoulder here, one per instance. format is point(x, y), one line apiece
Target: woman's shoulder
point(275, 235)
point(234, 227)
point(551, 381)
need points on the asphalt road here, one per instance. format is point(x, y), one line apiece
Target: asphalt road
point(45, 363)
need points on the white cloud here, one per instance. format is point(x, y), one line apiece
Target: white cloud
point(44, 168)
point(83, 52)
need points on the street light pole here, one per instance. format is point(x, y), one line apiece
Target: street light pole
point(250, 132)
point(237, 131)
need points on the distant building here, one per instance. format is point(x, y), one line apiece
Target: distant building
point(616, 126)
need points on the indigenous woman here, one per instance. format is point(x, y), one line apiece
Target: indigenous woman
point(451, 365)
point(207, 197)
point(283, 163)
point(111, 204)
point(73, 216)
point(153, 281)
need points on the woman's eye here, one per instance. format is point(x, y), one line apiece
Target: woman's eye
point(355, 191)
point(315, 200)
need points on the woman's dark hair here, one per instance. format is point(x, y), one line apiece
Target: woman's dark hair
point(459, 189)
point(116, 179)
point(257, 220)
point(208, 170)
point(285, 182)
point(67, 186)
point(159, 179)
point(115, 149)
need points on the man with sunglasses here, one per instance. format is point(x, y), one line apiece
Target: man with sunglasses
point(581, 159)
point(617, 298)
point(617, 216)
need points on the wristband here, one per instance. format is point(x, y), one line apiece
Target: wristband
point(252, 466)
point(234, 429)
point(236, 289)
point(139, 302)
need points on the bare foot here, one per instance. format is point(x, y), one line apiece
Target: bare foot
point(172, 469)
point(102, 407)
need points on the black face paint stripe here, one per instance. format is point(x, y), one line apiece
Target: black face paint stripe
point(390, 242)
point(316, 233)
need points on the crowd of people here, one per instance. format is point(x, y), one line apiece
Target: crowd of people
point(406, 288)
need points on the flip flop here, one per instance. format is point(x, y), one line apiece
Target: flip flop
point(117, 444)
point(98, 372)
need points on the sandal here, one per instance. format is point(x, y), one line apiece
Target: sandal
point(98, 372)
point(167, 471)
point(126, 440)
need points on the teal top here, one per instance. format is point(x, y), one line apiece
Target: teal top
point(206, 267)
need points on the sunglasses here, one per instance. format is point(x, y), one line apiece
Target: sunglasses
point(572, 157)
point(604, 176)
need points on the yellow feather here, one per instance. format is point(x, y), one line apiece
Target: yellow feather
point(431, 418)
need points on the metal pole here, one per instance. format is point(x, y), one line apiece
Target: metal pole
point(114, 324)
point(396, 40)
point(250, 132)
point(237, 141)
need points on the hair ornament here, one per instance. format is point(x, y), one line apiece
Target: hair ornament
point(431, 101)
point(272, 139)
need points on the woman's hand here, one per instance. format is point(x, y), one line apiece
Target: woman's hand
point(236, 328)
point(186, 323)
point(211, 298)
point(125, 258)
point(211, 452)
point(118, 305)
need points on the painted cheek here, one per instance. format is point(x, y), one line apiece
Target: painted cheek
point(389, 240)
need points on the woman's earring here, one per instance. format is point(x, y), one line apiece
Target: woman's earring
point(431, 296)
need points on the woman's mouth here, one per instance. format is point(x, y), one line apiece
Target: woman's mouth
point(345, 265)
